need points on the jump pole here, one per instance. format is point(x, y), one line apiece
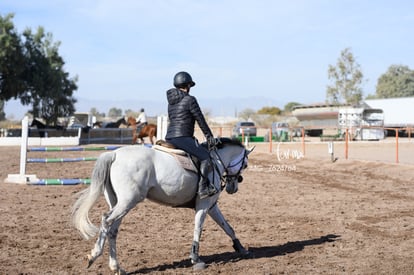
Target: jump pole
point(22, 178)
point(60, 181)
point(59, 149)
point(55, 160)
point(162, 124)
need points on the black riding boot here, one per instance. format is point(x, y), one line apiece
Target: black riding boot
point(205, 189)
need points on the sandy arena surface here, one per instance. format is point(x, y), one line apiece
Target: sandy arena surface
point(297, 215)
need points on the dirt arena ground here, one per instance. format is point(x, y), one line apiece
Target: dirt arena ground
point(297, 215)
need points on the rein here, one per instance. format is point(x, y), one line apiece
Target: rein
point(226, 174)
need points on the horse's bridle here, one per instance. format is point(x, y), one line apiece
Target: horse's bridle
point(226, 176)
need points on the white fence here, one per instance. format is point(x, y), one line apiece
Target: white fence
point(38, 141)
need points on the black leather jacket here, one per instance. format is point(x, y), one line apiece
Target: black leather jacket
point(183, 112)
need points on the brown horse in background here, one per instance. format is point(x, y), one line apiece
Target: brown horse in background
point(149, 130)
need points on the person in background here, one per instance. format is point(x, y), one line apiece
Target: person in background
point(183, 112)
point(141, 119)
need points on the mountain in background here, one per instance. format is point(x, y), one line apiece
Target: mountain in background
point(216, 107)
point(228, 106)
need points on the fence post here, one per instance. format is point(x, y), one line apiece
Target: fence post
point(22, 178)
point(23, 145)
point(162, 124)
point(303, 141)
point(346, 143)
point(396, 145)
point(270, 141)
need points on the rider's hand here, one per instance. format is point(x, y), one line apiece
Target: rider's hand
point(212, 143)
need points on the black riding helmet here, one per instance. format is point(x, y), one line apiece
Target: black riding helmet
point(183, 80)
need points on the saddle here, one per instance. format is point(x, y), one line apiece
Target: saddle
point(187, 161)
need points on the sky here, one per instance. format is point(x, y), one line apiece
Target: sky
point(267, 52)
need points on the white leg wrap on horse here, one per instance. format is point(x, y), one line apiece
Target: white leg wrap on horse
point(194, 253)
point(100, 242)
point(113, 261)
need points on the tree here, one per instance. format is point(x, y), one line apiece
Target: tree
point(2, 113)
point(49, 89)
point(12, 60)
point(96, 113)
point(247, 114)
point(398, 81)
point(347, 78)
point(269, 111)
point(115, 112)
point(289, 106)
point(32, 70)
point(130, 112)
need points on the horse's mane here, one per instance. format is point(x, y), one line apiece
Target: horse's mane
point(38, 123)
point(131, 120)
point(226, 141)
point(229, 141)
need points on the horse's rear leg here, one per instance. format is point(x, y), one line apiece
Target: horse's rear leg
point(100, 242)
point(112, 235)
point(109, 228)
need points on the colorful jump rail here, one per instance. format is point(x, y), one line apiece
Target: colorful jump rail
point(23, 178)
point(59, 149)
point(58, 160)
point(63, 181)
point(60, 182)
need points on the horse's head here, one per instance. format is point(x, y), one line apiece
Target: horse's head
point(37, 123)
point(235, 160)
point(131, 121)
point(97, 124)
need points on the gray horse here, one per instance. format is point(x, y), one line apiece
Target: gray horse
point(130, 174)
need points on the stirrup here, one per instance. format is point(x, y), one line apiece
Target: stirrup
point(209, 191)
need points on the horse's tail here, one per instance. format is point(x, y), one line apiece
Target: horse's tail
point(88, 197)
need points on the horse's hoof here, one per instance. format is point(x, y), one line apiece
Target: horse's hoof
point(199, 266)
point(246, 253)
point(89, 260)
point(120, 272)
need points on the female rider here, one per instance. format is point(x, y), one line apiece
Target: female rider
point(183, 112)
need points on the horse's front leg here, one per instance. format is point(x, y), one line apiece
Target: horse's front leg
point(109, 229)
point(199, 219)
point(134, 139)
point(218, 217)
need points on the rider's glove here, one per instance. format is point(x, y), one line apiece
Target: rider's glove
point(212, 143)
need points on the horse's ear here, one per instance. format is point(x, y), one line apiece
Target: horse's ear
point(250, 150)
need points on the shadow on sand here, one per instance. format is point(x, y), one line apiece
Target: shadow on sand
point(255, 253)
